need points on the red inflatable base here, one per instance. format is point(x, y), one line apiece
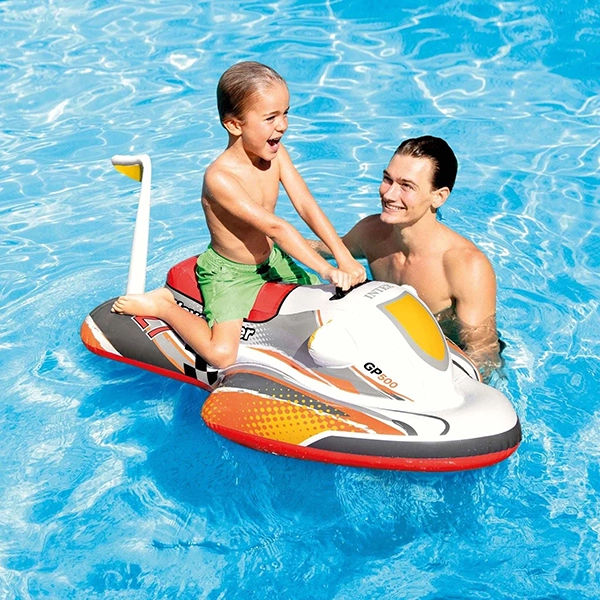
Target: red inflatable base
point(357, 460)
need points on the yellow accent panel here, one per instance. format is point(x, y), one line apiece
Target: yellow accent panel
point(133, 171)
point(419, 324)
point(270, 418)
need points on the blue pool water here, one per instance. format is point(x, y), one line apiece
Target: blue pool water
point(111, 486)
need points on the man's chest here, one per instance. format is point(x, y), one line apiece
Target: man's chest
point(426, 276)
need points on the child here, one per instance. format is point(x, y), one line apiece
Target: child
point(249, 243)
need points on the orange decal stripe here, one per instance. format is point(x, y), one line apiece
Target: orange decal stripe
point(88, 338)
point(362, 421)
point(278, 420)
point(291, 363)
point(464, 354)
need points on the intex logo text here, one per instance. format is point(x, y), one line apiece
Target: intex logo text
point(378, 290)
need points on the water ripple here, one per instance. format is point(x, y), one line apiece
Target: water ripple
point(111, 486)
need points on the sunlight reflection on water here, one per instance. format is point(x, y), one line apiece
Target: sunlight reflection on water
point(111, 485)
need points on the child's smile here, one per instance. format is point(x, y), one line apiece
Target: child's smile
point(265, 122)
point(274, 143)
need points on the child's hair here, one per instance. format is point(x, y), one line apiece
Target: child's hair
point(239, 84)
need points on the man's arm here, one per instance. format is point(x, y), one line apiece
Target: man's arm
point(320, 247)
point(473, 288)
point(352, 240)
point(472, 284)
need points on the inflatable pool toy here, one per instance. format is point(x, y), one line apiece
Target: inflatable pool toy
point(365, 379)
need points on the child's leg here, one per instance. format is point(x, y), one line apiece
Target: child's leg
point(218, 346)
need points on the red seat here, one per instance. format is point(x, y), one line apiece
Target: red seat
point(182, 277)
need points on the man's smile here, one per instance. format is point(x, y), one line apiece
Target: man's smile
point(391, 207)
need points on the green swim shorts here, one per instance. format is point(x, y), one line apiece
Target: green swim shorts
point(229, 289)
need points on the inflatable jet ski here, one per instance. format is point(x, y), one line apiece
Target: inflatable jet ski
point(366, 379)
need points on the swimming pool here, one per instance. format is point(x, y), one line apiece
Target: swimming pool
point(110, 484)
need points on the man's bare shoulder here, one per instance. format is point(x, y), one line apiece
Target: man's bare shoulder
point(464, 260)
point(366, 236)
point(370, 225)
point(371, 221)
point(471, 281)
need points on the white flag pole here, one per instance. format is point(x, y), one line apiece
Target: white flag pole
point(139, 168)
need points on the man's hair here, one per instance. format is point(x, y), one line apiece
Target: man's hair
point(439, 153)
point(239, 84)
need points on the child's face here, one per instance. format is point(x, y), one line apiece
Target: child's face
point(265, 122)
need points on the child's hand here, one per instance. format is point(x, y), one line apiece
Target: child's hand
point(339, 278)
point(356, 271)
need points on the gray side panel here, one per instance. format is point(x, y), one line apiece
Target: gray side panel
point(128, 338)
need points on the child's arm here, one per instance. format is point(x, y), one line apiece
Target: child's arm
point(231, 196)
point(315, 218)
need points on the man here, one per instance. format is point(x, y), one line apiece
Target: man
point(406, 244)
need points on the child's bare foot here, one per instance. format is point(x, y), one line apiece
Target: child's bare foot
point(150, 304)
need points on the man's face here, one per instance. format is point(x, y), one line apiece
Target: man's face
point(406, 191)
